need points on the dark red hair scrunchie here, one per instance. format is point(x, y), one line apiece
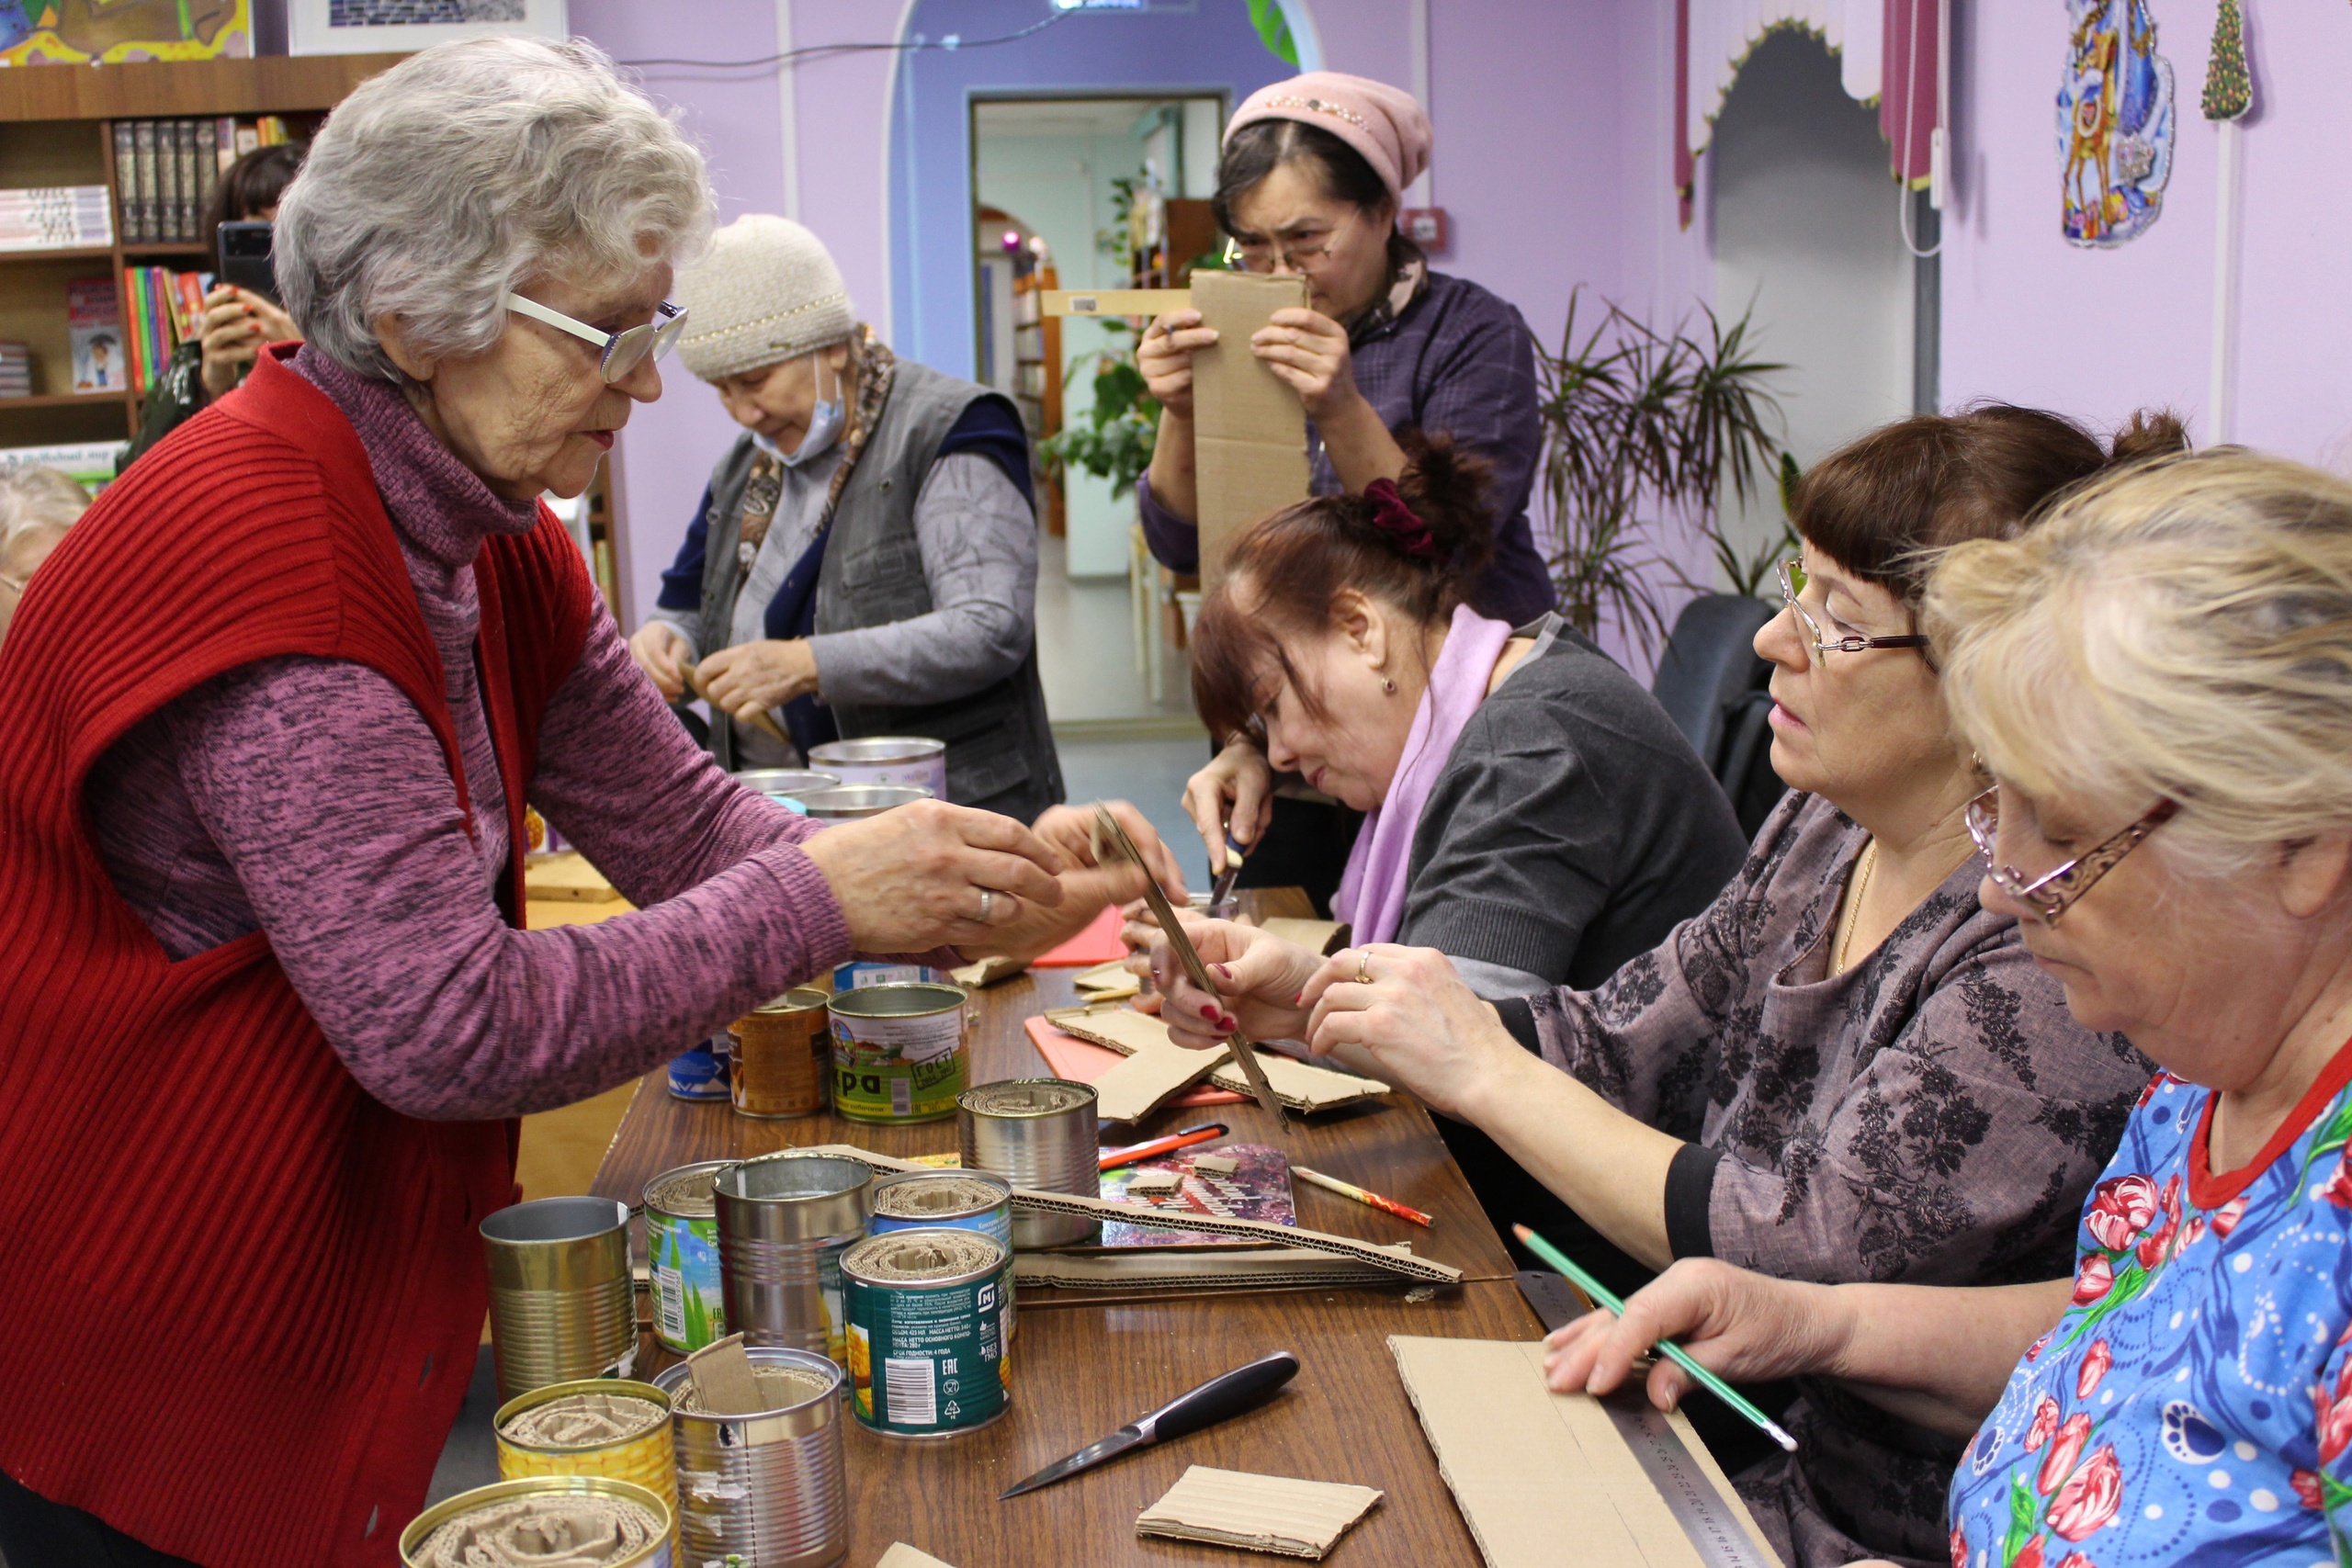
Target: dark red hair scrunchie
point(1393, 517)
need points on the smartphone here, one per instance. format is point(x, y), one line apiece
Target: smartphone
point(244, 257)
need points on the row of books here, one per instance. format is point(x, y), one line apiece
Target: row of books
point(54, 218)
point(15, 370)
point(166, 310)
point(165, 171)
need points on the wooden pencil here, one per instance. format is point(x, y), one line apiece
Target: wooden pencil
point(1372, 1200)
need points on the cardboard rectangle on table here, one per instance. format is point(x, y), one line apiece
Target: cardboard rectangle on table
point(1326, 937)
point(901, 1555)
point(1248, 428)
point(1298, 1084)
point(1531, 1468)
point(1133, 1081)
point(1257, 1513)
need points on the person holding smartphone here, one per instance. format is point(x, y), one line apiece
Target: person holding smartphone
point(237, 320)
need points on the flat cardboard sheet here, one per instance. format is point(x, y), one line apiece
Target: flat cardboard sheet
point(1257, 1513)
point(1401, 1264)
point(1142, 1081)
point(1112, 982)
point(1531, 1469)
point(1248, 428)
point(1298, 1084)
point(901, 1555)
point(987, 972)
point(1326, 937)
point(1083, 1061)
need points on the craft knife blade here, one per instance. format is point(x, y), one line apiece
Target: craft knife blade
point(1227, 1395)
point(1714, 1530)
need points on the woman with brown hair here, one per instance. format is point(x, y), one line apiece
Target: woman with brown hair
point(1845, 1069)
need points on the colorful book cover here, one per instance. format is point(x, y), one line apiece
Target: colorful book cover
point(1258, 1189)
point(79, 32)
point(93, 329)
point(88, 463)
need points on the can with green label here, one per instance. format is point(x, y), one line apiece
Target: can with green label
point(929, 1350)
point(902, 1053)
point(682, 1254)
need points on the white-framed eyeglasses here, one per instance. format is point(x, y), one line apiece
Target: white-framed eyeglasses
point(618, 353)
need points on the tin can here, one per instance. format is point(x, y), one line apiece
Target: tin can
point(591, 1427)
point(1042, 1133)
point(927, 1340)
point(902, 1053)
point(682, 1252)
point(948, 1200)
point(860, 972)
point(562, 1303)
point(785, 786)
point(848, 802)
point(701, 1074)
point(784, 1222)
point(771, 1488)
point(783, 1056)
point(645, 1521)
point(885, 759)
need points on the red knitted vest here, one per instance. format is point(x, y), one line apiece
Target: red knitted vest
point(243, 1298)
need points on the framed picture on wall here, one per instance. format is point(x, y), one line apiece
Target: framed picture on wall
point(376, 27)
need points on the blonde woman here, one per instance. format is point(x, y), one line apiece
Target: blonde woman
point(2160, 678)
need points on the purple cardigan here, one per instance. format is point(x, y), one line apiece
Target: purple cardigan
point(307, 798)
point(1457, 361)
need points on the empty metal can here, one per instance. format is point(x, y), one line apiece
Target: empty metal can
point(610, 1427)
point(902, 1053)
point(848, 802)
point(784, 1222)
point(681, 1255)
point(562, 1304)
point(520, 1518)
point(885, 759)
point(928, 1331)
point(788, 786)
point(1042, 1133)
point(771, 1488)
point(782, 1060)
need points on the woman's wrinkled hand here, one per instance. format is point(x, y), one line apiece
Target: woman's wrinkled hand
point(930, 875)
point(659, 650)
point(1070, 829)
point(1087, 891)
point(1407, 1009)
point(1235, 793)
point(235, 327)
point(1164, 354)
point(1258, 980)
point(752, 678)
point(1309, 351)
point(1735, 1323)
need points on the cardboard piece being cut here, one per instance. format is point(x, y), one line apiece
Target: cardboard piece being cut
point(1155, 1069)
point(1257, 1513)
point(1397, 1265)
point(1085, 1061)
point(1298, 1084)
point(1112, 982)
point(901, 1555)
point(1248, 428)
point(1531, 1469)
point(987, 972)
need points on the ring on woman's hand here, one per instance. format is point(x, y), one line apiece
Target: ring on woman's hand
point(1363, 968)
point(987, 903)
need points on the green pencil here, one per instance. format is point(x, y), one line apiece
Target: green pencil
point(1681, 1357)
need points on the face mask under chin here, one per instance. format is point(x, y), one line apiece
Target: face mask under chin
point(825, 425)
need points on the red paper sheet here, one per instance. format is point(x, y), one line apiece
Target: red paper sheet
point(1082, 1061)
point(1098, 944)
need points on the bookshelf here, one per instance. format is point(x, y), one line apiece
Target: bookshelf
point(57, 128)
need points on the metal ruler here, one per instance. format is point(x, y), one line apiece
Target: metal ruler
point(1714, 1530)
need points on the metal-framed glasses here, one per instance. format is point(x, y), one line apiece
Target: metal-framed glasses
point(618, 353)
point(1301, 256)
point(2055, 892)
point(1792, 583)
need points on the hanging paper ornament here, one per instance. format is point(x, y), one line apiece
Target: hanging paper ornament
point(2115, 122)
point(2228, 88)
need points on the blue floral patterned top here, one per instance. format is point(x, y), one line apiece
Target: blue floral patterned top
point(2194, 1405)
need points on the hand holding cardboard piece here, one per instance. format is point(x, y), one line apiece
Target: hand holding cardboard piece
point(1248, 428)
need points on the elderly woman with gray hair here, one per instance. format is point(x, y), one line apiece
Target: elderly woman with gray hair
point(268, 1008)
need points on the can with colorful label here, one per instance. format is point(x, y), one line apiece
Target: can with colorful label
point(902, 1053)
point(682, 1251)
point(701, 1074)
point(947, 1199)
point(782, 1061)
point(861, 972)
point(928, 1343)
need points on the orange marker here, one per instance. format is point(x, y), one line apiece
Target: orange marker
point(1349, 1190)
point(1174, 1141)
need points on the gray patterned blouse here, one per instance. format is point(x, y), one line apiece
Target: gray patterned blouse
point(1933, 1116)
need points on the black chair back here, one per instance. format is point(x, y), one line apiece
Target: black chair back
point(1712, 683)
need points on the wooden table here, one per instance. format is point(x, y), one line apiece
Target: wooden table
point(1086, 1361)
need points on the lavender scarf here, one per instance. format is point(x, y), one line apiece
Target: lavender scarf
point(1372, 894)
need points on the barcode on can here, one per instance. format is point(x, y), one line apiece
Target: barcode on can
point(902, 1095)
point(912, 1387)
point(669, 1301)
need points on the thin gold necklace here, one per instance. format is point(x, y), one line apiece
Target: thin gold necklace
point(1854, 914)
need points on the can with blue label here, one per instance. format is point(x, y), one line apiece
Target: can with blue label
point(929, 1348)
point(860, 972)
point(681, 1250)
point(947, 1199)
point(701, 1074)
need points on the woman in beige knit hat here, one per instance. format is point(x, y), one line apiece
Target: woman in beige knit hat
point(864, 560)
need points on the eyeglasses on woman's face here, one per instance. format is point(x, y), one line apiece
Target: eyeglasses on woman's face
point(2054, 891)
point(618, 353)
point(1301, 252)
point(1793, 588)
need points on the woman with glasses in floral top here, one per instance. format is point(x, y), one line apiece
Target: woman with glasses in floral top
point(1844, 1069)
point(2160, 679)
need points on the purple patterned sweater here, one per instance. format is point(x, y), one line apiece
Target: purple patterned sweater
point(307, 798)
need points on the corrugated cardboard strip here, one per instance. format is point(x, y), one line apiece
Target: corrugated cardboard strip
point(1257, 1513)
point(1399, 1264)
point(1248, 428)
point(1531, 1469)
point(1298, 1084)
point(901, 1555)
point(1191, 1268)
point(1112, 982)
